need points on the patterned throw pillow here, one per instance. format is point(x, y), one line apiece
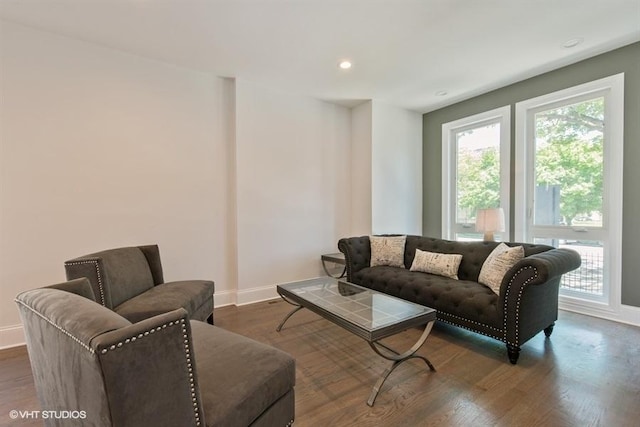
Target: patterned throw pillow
point(387, 250)
point(499, 261)
point(436, 263)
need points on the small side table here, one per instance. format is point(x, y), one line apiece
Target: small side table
point(337, 258)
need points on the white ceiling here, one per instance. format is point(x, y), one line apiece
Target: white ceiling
point(403, 51)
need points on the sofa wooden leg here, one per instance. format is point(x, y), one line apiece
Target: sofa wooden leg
point(514, 353)
point(210, 319)
point(548, 330)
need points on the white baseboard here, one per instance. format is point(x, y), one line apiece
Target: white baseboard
point(223, 298)
point(626, 313)
point(245, 296)
point(252, 295)
point(630, 314)
point(11, 336)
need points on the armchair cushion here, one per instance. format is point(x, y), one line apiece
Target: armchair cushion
point(191, 295)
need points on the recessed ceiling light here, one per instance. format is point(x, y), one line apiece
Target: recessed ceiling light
point(345, 65)
point(441, 93)
point(573, 42)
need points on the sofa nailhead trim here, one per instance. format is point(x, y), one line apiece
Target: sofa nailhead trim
point(472, 330)
point(467, 320)
point(98, 275)
point(58, 327)
point(506, 298)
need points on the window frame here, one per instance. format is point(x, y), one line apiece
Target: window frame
point(612, 88)
point(501, 115)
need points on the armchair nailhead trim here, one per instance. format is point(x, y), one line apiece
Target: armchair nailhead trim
point(98, 275)
point(506, 298)
point(289, 424)
point(140, 335)
point(58, 327)
point(192, 387)
point(194, 395)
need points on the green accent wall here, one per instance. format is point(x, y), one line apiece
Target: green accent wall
point(623, 60)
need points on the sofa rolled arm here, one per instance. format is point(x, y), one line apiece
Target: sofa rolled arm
point(529, 293)
point(547, 265)
point(357, 254)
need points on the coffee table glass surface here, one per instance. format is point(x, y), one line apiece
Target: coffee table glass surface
point(370, 314)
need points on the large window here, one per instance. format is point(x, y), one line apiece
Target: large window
point(569, 158)
point(475, 159)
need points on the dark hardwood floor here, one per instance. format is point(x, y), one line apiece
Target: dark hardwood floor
point(586, 374)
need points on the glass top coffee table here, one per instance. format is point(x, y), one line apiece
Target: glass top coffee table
point(369, 314)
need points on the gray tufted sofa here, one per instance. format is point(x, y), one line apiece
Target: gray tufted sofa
point(526, 305)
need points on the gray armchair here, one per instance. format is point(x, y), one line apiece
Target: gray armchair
point(130, 282)
point(161, 371)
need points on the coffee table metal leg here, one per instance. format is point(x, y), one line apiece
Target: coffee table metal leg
point(397, 359)
point(298, 307)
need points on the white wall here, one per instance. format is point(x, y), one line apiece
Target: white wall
point(396, 170)
point(293, 192)
point(361, 128)
point(102, 149)
point(236, 182)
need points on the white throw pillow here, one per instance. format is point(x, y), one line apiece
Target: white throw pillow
point(437, 263)
point(387, 250)
point(499, 261)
